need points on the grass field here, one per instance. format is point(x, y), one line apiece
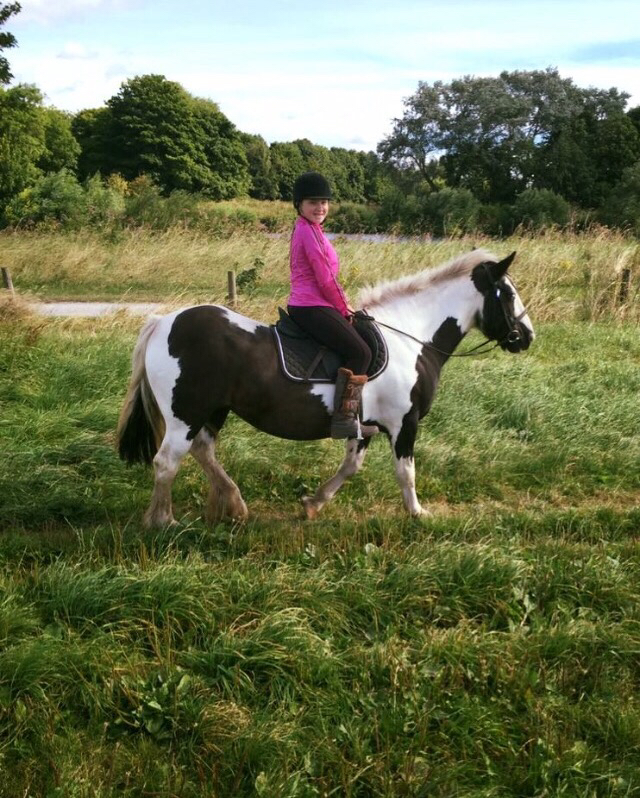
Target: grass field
point(490, 650)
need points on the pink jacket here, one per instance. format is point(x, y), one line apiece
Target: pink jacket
point(314, 269)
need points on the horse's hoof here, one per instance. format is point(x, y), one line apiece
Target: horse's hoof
point(159, 523)
point(421, 512)
point(310, 509)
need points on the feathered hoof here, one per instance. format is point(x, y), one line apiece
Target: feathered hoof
point(310, 508)
point(421, 512)
point(162, 522)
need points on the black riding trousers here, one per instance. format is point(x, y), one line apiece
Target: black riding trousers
point(331, 329)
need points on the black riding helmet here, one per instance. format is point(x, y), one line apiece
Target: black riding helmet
point(310, 185)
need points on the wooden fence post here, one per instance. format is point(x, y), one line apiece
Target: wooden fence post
point(7, 282)
point(231, 284)
point(625, 283)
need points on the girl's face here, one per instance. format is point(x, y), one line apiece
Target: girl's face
point(314, 210)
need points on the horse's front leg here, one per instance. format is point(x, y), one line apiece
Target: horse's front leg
point(402, 445)
point(354, 457)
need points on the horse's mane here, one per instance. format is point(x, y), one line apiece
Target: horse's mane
point(388, 290)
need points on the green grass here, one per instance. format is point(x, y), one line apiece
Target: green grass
point(490, 650)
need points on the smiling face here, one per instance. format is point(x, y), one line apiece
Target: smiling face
point(314, 210)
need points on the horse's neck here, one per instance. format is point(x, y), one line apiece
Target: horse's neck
point(422, 314)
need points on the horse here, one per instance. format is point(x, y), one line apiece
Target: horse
point(192, 366)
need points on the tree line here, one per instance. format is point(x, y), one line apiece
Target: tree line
point(525, 147)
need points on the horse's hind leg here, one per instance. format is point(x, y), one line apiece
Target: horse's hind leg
point(166, 464)
point(225, 500)
point(354, 457)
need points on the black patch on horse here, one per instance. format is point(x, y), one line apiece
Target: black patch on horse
point(303, 359)
point(429, 364)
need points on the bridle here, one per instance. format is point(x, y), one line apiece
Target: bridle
point(512, 336)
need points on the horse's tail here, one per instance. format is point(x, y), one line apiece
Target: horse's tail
point(140, 426)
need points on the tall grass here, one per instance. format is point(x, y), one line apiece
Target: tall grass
point(491, 650)
point(563, 276)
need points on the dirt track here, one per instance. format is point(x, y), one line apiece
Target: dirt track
point(94, 308)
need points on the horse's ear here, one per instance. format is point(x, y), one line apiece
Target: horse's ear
point(499, 269)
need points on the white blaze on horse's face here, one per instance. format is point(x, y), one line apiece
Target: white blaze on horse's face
point(519, 309)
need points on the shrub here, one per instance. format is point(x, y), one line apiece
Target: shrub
point(496, 220)
point(537, 208)
point(622, 208)
point(451, 211)
point(56, 199)
point(104, 203)
point(349, 217)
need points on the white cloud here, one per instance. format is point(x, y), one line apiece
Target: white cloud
point(47, 11)
point(75, 50)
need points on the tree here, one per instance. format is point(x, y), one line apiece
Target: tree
point(498, 136)
point(22, 138)
point(154, 126)
point(153, 132)
point(92, 129)
point(263, 182)
point(7, 40)
point(61, 148)
point(622, 205)
point(288, 163)
point(227, 168)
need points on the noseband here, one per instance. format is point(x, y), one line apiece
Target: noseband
point(512, 336)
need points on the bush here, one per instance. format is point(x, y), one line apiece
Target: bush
point(349, 217)
point(622, 208)
point(496, 220)
point(537, 208)
point(104, 202)
point(56, 199)
point(451, 211)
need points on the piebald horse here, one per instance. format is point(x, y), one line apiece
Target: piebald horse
point(192, 366)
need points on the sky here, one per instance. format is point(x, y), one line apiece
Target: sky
point(333, 71)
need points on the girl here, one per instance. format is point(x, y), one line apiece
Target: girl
point(318, 304)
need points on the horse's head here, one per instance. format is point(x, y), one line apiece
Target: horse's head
point(502, 317)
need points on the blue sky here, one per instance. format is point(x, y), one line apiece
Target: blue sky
point(333, 71)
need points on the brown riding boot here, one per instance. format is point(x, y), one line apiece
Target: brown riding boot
point(345, 423)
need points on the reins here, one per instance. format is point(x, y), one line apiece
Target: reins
point(473, 352)
point(480, 349)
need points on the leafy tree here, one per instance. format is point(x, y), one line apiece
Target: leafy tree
point(22, 138)
point(538, 208)
point(634, 116)
point(7, 40)
point(61, 147)
point(153, 131)
point(154, 126)
point(498, 136)
point(451, 211)
point(622, 206)
point(92, 128)
point(56, 197)
point(347, 174)
point(288, 163)
point(227, 169)
point(263, 182)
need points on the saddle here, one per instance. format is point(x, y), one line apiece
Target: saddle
point(303, 359)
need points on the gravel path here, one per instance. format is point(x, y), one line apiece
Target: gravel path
point(94, 308)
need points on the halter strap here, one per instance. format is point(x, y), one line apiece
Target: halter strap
point(484, 346)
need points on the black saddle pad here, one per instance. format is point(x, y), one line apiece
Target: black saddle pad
point(303, 359)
